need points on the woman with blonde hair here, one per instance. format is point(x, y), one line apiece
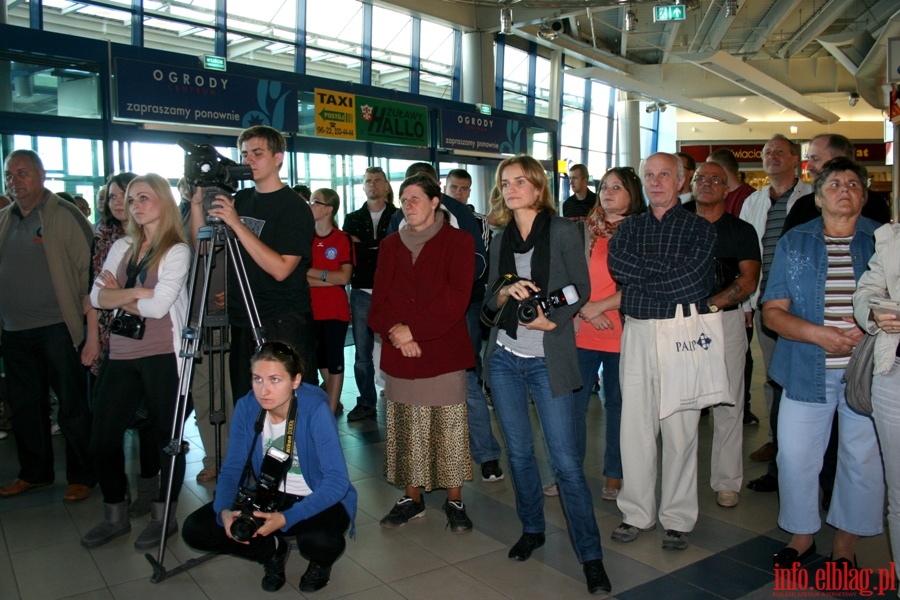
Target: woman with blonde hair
point(537, 254)
point(144, 282)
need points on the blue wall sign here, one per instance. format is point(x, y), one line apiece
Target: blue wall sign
point(482, 133)
point(166, 93)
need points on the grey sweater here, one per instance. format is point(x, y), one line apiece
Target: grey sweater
point(567, 266)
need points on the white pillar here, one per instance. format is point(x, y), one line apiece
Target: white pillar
point(477, 74)
point(629, 132)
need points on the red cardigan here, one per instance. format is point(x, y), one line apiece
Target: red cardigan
point(431, 297)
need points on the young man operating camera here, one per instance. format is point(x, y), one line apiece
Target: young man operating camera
point(275, 229)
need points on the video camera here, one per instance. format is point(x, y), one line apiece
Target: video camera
point(216, 174)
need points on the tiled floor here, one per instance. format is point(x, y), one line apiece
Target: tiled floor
point(41, 558)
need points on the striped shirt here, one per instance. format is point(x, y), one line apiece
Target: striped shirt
point(774, 226)
point(839, 287)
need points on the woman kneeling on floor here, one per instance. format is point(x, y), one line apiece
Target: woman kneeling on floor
point(309, 496)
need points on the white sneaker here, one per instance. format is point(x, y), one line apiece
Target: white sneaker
point(551, 489)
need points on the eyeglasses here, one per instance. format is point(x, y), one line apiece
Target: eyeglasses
point(316, 202)
point(279, 348)
point(703, 180)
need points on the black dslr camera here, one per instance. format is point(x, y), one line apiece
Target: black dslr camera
point(128, 325)
point(527, 310)
point(210, 170)
point(265, 498)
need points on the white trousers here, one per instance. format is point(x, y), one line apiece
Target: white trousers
point(726, 464)
point(641, 425)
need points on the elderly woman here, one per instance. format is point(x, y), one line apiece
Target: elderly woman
point(880, 281)
point(808, 303)
point(422, 287)
point(539, 253)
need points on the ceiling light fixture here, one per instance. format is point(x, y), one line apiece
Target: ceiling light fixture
point(630, 20)
point(731, 8)
point(506, 20)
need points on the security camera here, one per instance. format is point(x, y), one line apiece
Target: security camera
point(854, 98)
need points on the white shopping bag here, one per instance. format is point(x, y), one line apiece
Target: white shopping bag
point(691, 354)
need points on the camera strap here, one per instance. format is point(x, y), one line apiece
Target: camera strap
point(133, 270)
point(289, 430)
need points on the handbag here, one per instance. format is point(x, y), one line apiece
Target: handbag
point(691, 355)
point(858, 376)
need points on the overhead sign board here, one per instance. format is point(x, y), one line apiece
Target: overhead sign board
point(150, 91)
point(481, 133)
point(353, 117)
point(894, 60)
point(215, 63)
point(674, 12)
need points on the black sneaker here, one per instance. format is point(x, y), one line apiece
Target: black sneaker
point(597, 579)
point(404, 510)
point(491, 471)
point(274, 579)
point(528, 543)
point(316, 577)
point(457, 520)
point(361, 412)
point(750, 418)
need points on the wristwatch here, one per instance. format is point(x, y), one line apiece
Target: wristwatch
point(712, 306)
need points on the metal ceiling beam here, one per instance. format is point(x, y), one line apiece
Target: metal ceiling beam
point(849, 48)
point(671, 33)
point(629, 84)
point(814, 27)
point(623, 45)
point(871, 75)
point(773, 19)
point(721, 26)
point(740, 73)
point(880, 12)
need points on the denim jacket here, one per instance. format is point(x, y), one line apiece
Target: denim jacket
point(798, 273)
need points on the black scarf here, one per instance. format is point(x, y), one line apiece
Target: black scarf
point(512, 244)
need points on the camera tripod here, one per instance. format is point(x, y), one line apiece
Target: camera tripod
point(214, 235)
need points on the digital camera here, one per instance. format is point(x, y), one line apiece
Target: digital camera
point(128, 325)
point(264, 498)
point(527, 310)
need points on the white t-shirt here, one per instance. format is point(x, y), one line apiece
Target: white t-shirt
point(273, 435)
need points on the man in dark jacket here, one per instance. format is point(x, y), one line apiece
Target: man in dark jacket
point(367, 226)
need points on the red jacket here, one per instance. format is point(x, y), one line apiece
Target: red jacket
point(431, 297)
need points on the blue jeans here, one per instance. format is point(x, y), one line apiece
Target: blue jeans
point(589, 362)
point(511, 379)
point(364, 340)
point(482, 443)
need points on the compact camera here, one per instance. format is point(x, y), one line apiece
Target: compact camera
point(264, 498)
point(527, 310)
point(128, 325)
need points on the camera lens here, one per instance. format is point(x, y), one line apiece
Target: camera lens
point(526, 313)
point(243, 528)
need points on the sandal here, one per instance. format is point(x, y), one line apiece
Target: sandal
point(206, 475)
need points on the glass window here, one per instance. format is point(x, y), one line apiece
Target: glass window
point(436, 48)
point(390, 77)
point(175, 36)
point(514, 102)
point(80, 157)
point(86, 20)
point(571, 127)
point(600, 97)
point(342, 34)
point(64, 90)
point(515, 68)
point(542, 81)
point(391, 36)
point(264, 19)
point(573, 91)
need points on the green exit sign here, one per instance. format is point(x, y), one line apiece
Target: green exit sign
point(668, 13)
point(484, 109)
point(214, 63)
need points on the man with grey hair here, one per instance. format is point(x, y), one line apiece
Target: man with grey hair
point(767, 210)
point(823, 148)
point(46, 242)
point(660, 258)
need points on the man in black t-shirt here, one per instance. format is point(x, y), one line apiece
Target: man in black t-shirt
point(275, 229)
point(737, 274)
point(579, 204)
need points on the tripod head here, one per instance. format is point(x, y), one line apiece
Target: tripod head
point(216, 174)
